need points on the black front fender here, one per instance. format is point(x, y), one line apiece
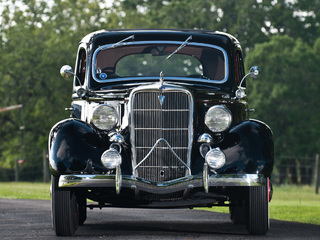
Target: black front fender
point(254, 151)
point(72, 143)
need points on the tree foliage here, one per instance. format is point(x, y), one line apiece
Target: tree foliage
point(287, 97)
point(252, 21)
point(37, 39)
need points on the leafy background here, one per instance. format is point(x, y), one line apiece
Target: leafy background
point(38, 37)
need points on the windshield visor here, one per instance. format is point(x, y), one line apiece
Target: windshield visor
point(203, 62)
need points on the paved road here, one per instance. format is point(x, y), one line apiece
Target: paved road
point(31, 219)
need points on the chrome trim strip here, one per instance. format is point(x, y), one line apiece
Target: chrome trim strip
point(162, 129)
point(205, 178)
point(162, 166)
point(164, 110)
point(163, 147)
point(226, 75)
point(188, 182)
point(118, 180)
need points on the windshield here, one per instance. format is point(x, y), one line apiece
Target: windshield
point(149, 59)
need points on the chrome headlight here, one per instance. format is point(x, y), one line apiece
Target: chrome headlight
point(218, 118)
point(104, 117)
point(215, 158)
point(111, 159)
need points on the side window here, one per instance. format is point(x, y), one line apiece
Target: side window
point(81, 66)
point(238, 67)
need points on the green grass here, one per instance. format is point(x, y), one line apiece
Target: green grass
point(24, 190)
point(289, 203)
point(294, 203)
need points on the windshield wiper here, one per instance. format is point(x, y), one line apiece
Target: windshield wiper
point(181, 46)
point(123, 40)
point(117, 43)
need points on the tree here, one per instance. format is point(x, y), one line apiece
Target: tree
point(287, 96)
point(37, 38)
point(251, 21)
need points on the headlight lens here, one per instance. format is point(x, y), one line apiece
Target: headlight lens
point(218, 118)
point(104, 117)
point(215, 158)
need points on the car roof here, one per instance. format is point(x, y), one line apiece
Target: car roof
point(113, 35)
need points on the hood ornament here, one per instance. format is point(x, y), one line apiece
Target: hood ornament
point(161, 80)
point(161, 97)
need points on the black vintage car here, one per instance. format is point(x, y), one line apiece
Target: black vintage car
point(159, 119)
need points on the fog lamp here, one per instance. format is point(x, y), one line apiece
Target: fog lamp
point(111, 158)
point(215, 158)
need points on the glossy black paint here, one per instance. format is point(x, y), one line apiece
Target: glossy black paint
point(71, 144)
point(254, 151)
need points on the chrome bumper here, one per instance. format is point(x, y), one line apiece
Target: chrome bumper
point(189, 182)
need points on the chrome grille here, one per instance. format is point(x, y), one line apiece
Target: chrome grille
point(161, 134)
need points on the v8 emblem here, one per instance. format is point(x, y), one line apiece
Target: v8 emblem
point(161, 99)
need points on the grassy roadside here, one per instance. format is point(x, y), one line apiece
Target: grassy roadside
point(289, 203)
point(24, 190)
point(298, 204)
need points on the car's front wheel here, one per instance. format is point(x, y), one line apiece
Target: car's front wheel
point(257, 210)
point(65, 212)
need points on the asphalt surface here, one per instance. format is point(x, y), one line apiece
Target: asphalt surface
point(31, 219)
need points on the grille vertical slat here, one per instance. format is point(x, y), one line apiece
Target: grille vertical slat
point(169, 122)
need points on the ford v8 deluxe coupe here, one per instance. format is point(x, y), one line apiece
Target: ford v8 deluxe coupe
point(159, 119)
